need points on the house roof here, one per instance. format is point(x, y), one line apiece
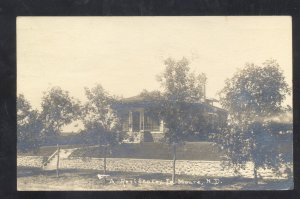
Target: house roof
point(137, 98)
point(140, 101)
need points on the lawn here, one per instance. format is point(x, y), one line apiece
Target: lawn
point(46, 150)
point(188, 151)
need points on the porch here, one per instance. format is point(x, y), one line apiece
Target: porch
point(141, 126)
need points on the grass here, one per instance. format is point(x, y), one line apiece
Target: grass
point(46, 150)
point(188, 151)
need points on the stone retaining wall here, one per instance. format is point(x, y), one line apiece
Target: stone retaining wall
point(197, 168)
point(30, 161)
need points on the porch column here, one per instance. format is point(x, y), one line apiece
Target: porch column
point(142, 123)
point(130, 121)
point(161, 126)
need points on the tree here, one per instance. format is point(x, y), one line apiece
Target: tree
point(251, 96)
point(181, 90)
point(151, 95)
point(58, 109)
point(29, 126)
point(179, 84)
point(100, 120)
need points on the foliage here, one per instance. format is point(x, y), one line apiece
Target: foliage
point(179, 84)
point(181, 90)
point(29, 126)
point(255, 142)
point(255, 92)
point(181, 120)
point(58, 109)
point(100, 120)
point(251, 96)
point(151, 95)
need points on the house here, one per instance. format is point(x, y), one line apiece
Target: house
point(142, 126)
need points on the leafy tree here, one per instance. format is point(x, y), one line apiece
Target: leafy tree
point(179, 84)
point(151, 95)
point(100, 120)
point(251, 96)
point(181, 90)
point(29, 126)
point(58, 109)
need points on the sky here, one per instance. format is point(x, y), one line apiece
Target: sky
point(125, 54)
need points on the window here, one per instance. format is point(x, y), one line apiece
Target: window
point(125, 123)
point(151, 124)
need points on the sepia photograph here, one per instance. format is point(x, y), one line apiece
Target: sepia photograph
point(154, 103)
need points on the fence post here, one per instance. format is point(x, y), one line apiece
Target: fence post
point(174, 162)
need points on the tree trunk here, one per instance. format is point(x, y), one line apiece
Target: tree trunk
point(174, 162)
point(255, 174)
point(57, 163)
point(104, 160)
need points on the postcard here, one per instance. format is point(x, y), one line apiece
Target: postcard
point(154, 103)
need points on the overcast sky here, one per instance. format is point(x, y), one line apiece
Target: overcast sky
point(125, 54)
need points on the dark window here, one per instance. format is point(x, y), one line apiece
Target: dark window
point(125, 123)
point(135, 121)
point(151, 124)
